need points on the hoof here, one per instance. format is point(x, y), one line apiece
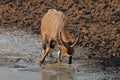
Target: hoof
point(40, 63)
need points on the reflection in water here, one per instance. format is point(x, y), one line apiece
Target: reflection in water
point(80, 70)
point(52, 76)
point(85, 70)
point(55, 72)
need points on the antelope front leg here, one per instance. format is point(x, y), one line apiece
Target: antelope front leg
point(43, 46)
point(59, 57)
point(43, 58)
point(43, 53)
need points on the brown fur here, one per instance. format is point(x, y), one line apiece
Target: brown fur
point(52, 24)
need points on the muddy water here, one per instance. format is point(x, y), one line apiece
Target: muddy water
point(83, 69)
point(20, 51)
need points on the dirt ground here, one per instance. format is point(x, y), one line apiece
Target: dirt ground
point(97, 55)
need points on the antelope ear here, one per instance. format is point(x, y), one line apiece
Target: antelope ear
point(76, 40)
point(64, 43)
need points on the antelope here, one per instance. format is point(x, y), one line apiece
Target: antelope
point(53, 33)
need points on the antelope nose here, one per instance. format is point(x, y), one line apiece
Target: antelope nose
point(70, 60)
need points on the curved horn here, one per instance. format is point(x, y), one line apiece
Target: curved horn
point(76, 40)
point(64, 43)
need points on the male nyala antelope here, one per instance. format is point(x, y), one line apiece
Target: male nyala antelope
point(53, 32)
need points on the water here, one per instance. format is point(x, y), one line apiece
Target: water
point(84, 69)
